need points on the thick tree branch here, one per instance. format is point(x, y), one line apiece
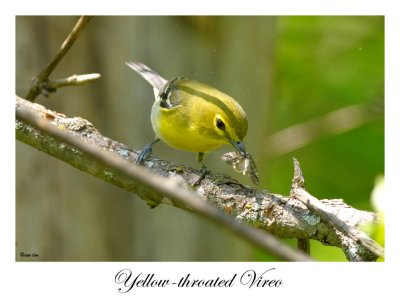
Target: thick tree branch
point(114, 166)
point(285, 217)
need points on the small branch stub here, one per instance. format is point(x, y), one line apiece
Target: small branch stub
point(298, 182)
point(298, 178)
point(48, 86)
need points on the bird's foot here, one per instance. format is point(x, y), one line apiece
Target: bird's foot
point(203, 172)
point(145, 153)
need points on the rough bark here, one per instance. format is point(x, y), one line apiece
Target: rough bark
point(285, 217)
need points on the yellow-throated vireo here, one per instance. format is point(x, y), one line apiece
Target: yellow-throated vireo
point(192, 116)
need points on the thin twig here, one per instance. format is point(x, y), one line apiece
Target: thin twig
point(42, 77)
point(74, 80)
point(166, 187)
point(50, 86)
point(335, 122)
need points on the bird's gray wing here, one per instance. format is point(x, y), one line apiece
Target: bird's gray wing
point(158, 83)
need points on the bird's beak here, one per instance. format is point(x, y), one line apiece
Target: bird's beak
point(239, 146)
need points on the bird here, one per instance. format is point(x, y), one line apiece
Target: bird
point(192, 116)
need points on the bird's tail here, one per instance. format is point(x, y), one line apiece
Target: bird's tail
point(151, 76)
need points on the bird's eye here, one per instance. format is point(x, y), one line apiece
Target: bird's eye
point(220, 124)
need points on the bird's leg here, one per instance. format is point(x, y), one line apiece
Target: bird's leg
point(204, 171)
point(146, 151)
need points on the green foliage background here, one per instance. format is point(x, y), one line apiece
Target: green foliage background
point(283, 70)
